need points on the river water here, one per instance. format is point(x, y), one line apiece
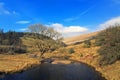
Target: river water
point(47, 71)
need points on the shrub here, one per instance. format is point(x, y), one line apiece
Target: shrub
point(98, 42)
point(11, 50)
point(76, 43)
point(99, 39)
point(6, 49)
point(110, 45)
point(87, 44)
point(71, 50)
point(81, 55)
point(20, 50)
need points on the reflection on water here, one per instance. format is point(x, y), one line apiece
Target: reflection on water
point(74, 71)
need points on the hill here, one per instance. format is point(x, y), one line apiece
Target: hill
point(78, 53)
point(79, 38)
point(89, 56)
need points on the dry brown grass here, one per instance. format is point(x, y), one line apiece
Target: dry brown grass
point(79, 38)
point(89, 56)
point(14, 63)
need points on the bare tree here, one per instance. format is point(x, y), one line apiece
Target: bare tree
point(45, 44)
point(46, 31)
point(37, 28)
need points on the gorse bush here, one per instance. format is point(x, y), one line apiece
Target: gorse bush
point(10, 42)
point(87, 44)
point(109, 39)
point(11, 50)
point(71, 51)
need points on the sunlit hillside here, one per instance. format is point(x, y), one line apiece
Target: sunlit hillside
point(80, 52)
point(91, 55)
point(79, 38)
point(59, 39)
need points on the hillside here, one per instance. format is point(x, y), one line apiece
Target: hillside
point(91, 55)
point(79, 38)
point(85, 52)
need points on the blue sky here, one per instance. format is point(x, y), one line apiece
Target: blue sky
point(70, 17)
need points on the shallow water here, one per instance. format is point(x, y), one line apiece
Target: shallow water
point(74, 71)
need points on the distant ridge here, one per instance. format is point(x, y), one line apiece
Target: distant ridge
point(79, 38)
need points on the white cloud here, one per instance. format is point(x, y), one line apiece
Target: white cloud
point(111, 22)
point(23, 22)
point(23, 29)
point(2, 9)
point(68, 31)
point(72, 18)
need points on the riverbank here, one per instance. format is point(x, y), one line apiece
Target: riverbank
point(16, 63)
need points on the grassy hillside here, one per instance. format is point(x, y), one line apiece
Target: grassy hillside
point(86, 52)
point(13, 63)
point(89, 56)
point(79, 38)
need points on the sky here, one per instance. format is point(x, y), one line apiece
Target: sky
point(69, 17)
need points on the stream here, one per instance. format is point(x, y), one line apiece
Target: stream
point(47, 71)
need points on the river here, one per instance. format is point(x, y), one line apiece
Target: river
point(47, 71)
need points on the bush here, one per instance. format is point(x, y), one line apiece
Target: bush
point(71, 50)
point(81, 55)
point(99, 39)
point(87, 44)
point(20, 50)
point(6, 49)
point(98, 42)
point(110, 45)
point(11, 50)
point(76, 43)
